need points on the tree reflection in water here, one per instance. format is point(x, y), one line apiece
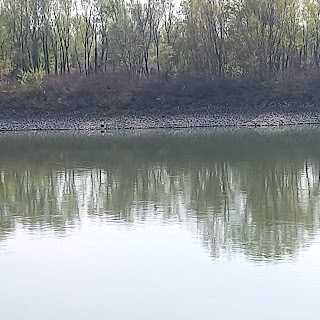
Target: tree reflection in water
point(240, 191)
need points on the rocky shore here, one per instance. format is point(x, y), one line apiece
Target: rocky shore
point(99, 121)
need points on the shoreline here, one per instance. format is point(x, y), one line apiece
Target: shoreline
point(102, 122)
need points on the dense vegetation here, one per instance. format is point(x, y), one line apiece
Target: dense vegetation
point(215, 38)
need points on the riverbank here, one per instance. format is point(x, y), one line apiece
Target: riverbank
point(99, 122)
point(117, 102)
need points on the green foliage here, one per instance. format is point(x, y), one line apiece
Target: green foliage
point(220, 38)
point(166, 57)
point(32, 79)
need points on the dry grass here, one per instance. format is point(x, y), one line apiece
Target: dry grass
point(121, 94)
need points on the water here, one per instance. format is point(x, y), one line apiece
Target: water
point(179, 224)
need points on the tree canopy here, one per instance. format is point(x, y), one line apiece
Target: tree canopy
point(217, 38)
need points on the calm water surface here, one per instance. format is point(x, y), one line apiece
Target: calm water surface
point(201, 224)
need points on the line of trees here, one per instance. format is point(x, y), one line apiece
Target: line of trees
point(218, 38)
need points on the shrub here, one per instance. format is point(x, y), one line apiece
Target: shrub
point(31, 79)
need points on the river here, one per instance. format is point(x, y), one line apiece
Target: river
point(160, 224)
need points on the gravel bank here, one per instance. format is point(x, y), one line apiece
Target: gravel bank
point(99, 121)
